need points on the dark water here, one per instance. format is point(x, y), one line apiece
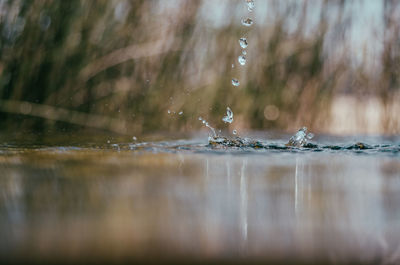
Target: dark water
point(336, 200)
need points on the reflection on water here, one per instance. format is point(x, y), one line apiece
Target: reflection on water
point(296, 186)
point(243, 201)
point(96, 203)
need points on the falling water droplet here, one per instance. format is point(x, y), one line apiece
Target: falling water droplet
point(169, 112)
point(235, 82)
point(180, 113)
point(108, 141)
point(233, 66)
point(250, 5)
point(243, 43)
point(244, 52)
point(242, 60)
point(134, 138)
point(234, 132)
point(200, 118)
point(247, 22)
point(229, 116)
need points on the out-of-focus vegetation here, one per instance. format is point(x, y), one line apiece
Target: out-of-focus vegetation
point(120, 65)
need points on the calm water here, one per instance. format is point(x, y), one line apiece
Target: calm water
point(184, 199)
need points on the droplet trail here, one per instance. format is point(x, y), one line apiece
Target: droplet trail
point(250, 5)
point(243, 43)
point(242, 60)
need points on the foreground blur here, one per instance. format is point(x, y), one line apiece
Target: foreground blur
point(69, 203)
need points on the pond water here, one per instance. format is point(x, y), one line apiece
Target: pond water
point(335, 201)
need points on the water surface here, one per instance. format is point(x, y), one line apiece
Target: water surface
point(332, 201)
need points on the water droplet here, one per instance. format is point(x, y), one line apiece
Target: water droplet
point(310, 136)
point(244, 52)
point(250, 5)
point(200, 118)
point(169, 112)
point(229, 116)
point(234, 132)
point(243, 43)
point(242, 60)
point(235, 82)
point(108, 141)
point(233, 66)
point(247, 22)
point(134, 138)
point(204, 122)
point(180, 113)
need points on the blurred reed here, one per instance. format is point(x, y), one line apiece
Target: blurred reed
point(121, 65)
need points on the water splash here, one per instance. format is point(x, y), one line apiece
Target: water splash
point(235, 82)
point(254, 144)
point(222, 141)
point(208, 126)
point(300, 138)
point(250, 5)
point(229, 116)
point(243, 43)
point(242, 60)
point(247, 22)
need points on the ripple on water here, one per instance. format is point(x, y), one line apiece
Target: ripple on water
point(215, 143)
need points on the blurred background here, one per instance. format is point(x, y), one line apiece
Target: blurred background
point(144, 66)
